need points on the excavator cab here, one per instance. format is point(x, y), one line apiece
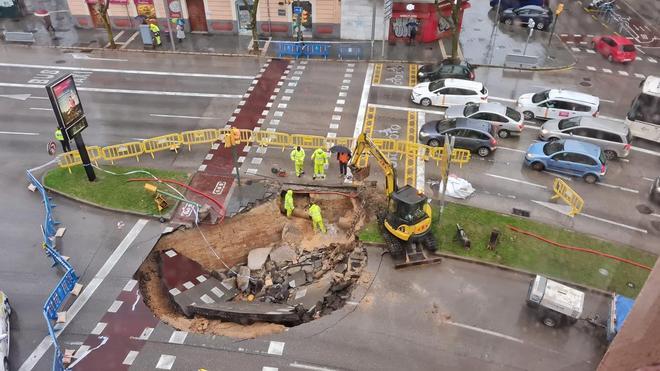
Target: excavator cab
point(409, 214)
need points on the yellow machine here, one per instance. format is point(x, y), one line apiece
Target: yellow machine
point(407, 220)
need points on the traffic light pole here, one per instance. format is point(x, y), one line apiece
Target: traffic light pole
point(560, 9)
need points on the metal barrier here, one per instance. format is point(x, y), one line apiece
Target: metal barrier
point(18, 37)
point(349, 51)
point(513, 60)
point(66, 284)
point(315, 50)
point(566, 193)
point(72, 158)
point(199, 137)
point(169, 142)
point(289, 49)
point(124, 150)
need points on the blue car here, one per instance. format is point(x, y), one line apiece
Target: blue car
point(568, 156)
point(508, 4)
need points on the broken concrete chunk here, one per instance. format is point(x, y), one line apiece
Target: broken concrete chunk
point(297, 279)
point(229, 283)
point(243, 278)
point(293, 270)
point(291, 234)
point(257, 258)
point(340, 268)
point(308, 268)
point(282, 254)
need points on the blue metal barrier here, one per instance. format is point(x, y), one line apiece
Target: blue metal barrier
point(67, 282)
point(315, 50)
point(350, 51)
point(289, 49)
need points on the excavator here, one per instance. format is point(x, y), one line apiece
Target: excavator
point(406, 224)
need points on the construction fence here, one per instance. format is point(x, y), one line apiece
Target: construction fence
point(173, 142)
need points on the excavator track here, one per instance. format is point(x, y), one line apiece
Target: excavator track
point(394, 245)
point(404, 253)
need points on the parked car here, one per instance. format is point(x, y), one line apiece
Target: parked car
point(506, 120)
point(475, 135)
point(615, 48)
point(557, 104)
point(542, 16)
point(5, 312)
point(611, 136)
point(567, 156)
point(446, 69)
point(449, 92)
point(654, 195)
point(508, 4)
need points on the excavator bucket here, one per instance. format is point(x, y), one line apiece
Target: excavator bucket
point(360, 173)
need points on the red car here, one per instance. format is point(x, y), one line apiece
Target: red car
point(615, 48)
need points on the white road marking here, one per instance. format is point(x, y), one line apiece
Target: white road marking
point(165, 362)
point(648, 179)
point(130, 39)
point(127, 91)
point(517, 181)
point(130, 358)
point(652, 60)
point(310, 367)
point(639, 76)
point(115, 306)
point(267, 368)
point(40, 109)
point(623, 73)
point(130, 285)
point(98, 329)
point(393, 86)
point(87, 57)
point(606, 100)
point(364, 99)
point(512, 149)
point(591, 68)
point(607, 70)
point(132, 72)
point(590, 51)
point(276, 348)
point(421, 179)
point(407, 109)
point(16, 96)
point(618, 187)
point(647, 151)
point(484, 331)
point(656, 215)
point(614, 223)
point(17, 133)
point(178, 337)
point(575, 49)
point(87, 293)
point(503, 99)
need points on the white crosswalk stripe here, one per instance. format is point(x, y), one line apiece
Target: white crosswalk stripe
point(652, 60)
point(623, 73)
point(591, 68)
point(639, 75)
point(607, 70)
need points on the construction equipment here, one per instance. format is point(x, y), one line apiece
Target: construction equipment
point(406, 223)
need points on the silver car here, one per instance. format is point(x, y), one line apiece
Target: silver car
point(611, 136)
point(5, 312)
point(506, 120)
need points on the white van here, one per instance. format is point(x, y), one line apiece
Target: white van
point(449, 92)
point(558, 104)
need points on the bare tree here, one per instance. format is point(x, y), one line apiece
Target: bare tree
point(253, 24)
point(456, 29)
point(102, 7)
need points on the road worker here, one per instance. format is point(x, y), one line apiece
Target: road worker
point(317, 220)
point(288, 203)
point(155, 31)
point(59, 136)
point(298, 158)
point(320, 161)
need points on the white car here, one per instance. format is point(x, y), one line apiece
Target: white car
point(449, 92)
point(557, 104)
point(506, 120)
point(5, 312)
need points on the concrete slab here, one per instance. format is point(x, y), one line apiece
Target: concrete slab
point(247, 313)
point(311, 295)
point(257, 257)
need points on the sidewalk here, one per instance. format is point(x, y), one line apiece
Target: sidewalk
point(477, 33)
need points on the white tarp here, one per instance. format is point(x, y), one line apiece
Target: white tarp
point(457, 187)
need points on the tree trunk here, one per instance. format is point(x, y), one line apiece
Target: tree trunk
point(253, 25)
point(455, 17)
point(103, 11)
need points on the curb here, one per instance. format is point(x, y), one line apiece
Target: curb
point(509, 269)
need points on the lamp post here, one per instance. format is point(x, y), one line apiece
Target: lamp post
point(560, 8)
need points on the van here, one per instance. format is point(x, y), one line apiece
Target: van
point(611, 136)
point(557, 104)
point(508, 4)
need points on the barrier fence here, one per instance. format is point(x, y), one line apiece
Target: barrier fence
point(568, 195)
point(261, 138)
point(68, 281)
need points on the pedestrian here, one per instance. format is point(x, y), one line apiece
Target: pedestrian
point(298, 158)
point(412, 26)
point(343, 158)
point(320, 161)
point(155, 32)
point(48, 23)
point(65, 144)
point(288, 203)
point(314, 212)
point(180, 32)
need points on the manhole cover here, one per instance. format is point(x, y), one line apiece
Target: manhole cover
point(631, 285)
point(603, 271)
point(586, 78)
point(586, 84)
point(60, 61)
point(643, 209)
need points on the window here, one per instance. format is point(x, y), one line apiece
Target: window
point(581, 107)
point(460, 91)
point(628, 48)
point(563, 105)
point(560, 157)
point(513, 114)
point(470, 109)
point(497, 118)
point(480, 116)
point(436, 85)
point(610, 137)
point(449, 91)
point(541, 96)
point(582, 159)
point(608, 41)
point(548, 104)
point(553, 147)
point(569, 123)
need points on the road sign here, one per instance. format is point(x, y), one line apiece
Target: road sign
point(52, 148)
point(297, 9)
point(531, 23)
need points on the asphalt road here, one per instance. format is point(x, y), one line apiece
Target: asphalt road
point(128, 96)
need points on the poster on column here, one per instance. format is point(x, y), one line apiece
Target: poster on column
point(174, 7)
point(146, 9)
point(65, 100)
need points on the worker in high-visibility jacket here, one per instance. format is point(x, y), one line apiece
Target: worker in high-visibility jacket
point(320, 161)
point(314, 211)
point(288, 203)
point(298, 158)
point(155, 32)
point(59, 136)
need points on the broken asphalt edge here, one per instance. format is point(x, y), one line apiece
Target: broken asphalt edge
point(510, 269)
point(78, 48)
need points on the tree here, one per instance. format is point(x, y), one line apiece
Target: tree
point(253, 24)
point(102, 7)
point(456, 29)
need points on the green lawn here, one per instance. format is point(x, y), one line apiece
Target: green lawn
point(528, 253)
point(112, 191)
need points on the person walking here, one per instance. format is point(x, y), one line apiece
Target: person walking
point(412, 28)
point(314, 212)
point(65, 144)
point(288, 203)
point(320, 161)
point(180, 32)
point(298, 158)
point(343, 158)
point(155, 32)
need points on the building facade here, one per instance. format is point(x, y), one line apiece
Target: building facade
point(319, 19)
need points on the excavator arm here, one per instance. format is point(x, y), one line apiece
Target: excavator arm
point(364, 143)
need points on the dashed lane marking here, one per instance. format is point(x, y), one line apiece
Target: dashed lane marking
point(485, 331)
point(512, 149)
point(517, 181)
point(310, 367)
point(276, 348)
point(615, 223)
point(591, 68)
point(607, 70)
point(17, 133)
point(618, 187)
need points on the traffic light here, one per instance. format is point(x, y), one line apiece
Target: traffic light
point(304, 16)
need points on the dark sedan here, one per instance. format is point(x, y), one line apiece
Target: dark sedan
point(447, 69)
point(542, 16)
point(475, 135)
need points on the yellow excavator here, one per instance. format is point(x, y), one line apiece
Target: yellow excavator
point(407, 220)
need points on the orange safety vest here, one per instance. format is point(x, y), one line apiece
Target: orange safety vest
point(343, 157)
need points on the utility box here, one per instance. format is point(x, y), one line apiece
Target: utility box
point(145, 34)
point(556, 304)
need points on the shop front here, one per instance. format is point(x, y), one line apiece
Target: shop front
point(430, 24)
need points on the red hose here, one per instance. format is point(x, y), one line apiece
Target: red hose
point(589, 251)
point(194, 190)
point(349, 195)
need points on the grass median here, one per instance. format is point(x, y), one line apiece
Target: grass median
point(525, 252)
point(112, 191)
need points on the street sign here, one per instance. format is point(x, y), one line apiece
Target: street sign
point(531, 23)
point(297, 10)
point(52, 148)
